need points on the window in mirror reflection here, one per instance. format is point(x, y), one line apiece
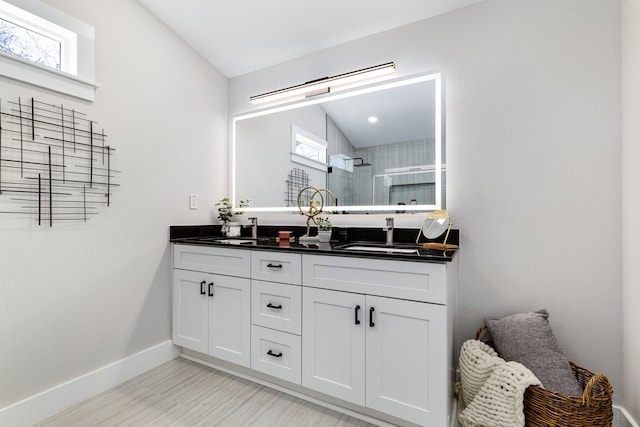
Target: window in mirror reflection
point(308, 149)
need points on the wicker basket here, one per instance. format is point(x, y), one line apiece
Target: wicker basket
point(544, 408)
point(594, 408)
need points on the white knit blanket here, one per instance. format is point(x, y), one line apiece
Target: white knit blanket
point(499, 403)
point(477, 362)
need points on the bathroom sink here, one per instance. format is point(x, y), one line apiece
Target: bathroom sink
point(235, 241)
point(379, 248)
point(228, 240)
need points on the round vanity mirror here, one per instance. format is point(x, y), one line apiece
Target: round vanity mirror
point(436, 224)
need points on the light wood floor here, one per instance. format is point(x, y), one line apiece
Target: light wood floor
point(184, 393)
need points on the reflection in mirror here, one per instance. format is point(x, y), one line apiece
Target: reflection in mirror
point(374, 148)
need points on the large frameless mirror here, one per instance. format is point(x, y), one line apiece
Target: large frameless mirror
point(377, 148)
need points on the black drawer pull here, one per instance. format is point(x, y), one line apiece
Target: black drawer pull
point(371, 310)
point(275, 307)
point(211, 289)
point(271, 353)
point(357, 309)
point(202, 287)
point(274, 265)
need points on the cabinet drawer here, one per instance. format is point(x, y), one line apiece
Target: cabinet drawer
point(276, 306)
point(229, 262)
point(276, 267)
point(276, 353)
point(416, 281)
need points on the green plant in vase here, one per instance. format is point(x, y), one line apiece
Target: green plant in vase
point(324, 223)
point(324, 228)
point(226, 212)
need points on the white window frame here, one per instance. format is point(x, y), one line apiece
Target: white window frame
point(77, 77)
point(299, 134)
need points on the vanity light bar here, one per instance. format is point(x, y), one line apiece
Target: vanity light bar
point(324, 85)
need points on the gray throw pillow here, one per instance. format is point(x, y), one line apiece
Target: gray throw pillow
point(527, 338)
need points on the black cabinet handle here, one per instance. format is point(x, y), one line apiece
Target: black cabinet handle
point(211, 289)
point(271, 353)
point(202, 287)
point(275, 307)
point(357, 309)
point(371, 310)
point(274, 265)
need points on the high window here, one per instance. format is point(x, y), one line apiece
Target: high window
point(43, 46)
point(30, 45)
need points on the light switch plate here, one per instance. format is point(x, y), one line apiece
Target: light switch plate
point(193, 201)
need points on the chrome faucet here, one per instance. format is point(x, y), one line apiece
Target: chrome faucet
point(254, 227)
point(389, 229)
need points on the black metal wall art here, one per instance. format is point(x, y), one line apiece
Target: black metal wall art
point(55, 163)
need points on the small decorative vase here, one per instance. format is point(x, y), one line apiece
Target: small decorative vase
point(324, 236)
point(233, 229)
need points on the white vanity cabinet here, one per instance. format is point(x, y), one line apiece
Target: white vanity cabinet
point(211, 312)
point(371, 332)
point(364, 346)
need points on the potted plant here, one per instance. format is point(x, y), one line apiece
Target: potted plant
point(225, 213)
point(324, 229)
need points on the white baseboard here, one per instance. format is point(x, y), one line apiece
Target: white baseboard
point(453, 417)
point(49, 402)
point(622, 418)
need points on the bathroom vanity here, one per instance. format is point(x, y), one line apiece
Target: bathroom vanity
point(359, 326)
point(370, 333)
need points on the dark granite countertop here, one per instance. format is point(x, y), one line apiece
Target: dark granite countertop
point(342, 239)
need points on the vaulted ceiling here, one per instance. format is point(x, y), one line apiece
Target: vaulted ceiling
point(242, 36)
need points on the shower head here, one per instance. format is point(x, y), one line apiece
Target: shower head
point(361, 164)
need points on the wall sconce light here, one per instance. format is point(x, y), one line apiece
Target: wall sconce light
point(324, 84)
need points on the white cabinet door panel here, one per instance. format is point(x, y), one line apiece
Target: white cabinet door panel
point(333, 344)
point(190, 310)
point(406, 359)
point(230, 319)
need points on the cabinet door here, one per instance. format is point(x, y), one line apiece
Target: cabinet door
point(406, 360)
point(230, 319)
point(333, 343)
point(190, 310)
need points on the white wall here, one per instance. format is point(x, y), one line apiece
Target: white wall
point(533, 127)
point(631, 203)
point(268, 155)
point(74, 298)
